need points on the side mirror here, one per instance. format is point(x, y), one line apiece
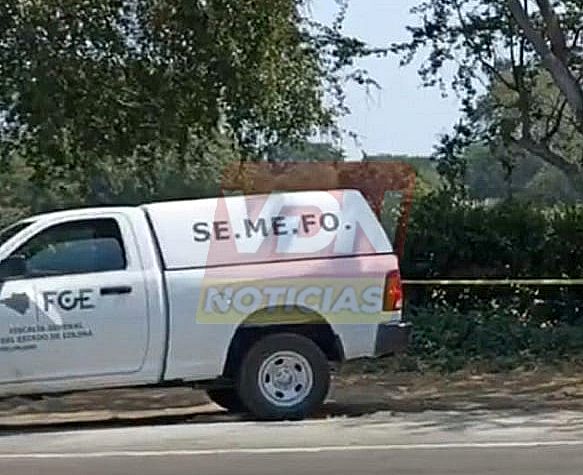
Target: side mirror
point(13, 266)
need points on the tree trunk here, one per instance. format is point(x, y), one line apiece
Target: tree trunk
point(556, 60)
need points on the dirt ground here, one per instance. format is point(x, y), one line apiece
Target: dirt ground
point(358, 389)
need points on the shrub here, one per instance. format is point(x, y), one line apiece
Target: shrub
point(492, 337)
point(456, 238)
point(490, 325)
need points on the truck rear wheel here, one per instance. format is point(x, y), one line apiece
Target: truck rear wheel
point(227, 398)
point(283, 376)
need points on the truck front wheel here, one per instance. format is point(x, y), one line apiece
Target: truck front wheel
point(283, 376)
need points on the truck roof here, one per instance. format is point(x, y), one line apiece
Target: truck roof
point(105, 209)
point(76, 211)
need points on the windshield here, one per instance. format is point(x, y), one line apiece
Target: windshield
point(11, 231)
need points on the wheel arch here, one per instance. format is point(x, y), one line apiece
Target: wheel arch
point(282, 319)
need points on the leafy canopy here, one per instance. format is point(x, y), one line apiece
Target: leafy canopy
point(82, 81)
point(525, 56)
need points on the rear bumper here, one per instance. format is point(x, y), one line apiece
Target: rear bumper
point(392, 338)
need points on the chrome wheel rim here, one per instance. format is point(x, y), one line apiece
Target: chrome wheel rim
point(285, 378)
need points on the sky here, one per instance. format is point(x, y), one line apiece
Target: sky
point(403, 117)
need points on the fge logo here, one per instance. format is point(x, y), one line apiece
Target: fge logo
point(69, 300)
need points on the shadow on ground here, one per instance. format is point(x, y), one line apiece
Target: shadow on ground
point(448, 402)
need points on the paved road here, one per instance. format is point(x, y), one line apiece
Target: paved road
point(555, 461)
point(429, 443)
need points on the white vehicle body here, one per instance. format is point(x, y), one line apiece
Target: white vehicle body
point(156, 294)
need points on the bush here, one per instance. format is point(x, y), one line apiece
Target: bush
point(452, 238)
point(497, 327)
point(494, 337)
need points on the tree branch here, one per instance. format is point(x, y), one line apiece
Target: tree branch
point(492, 69)
point(559, 70)
point(572, 170)
point(560, 114)
point(523, 21)
point(576, 37)
point(556, 35)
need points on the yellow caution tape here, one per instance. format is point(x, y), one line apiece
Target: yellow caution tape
point(497, 282)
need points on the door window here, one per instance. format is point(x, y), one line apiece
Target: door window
point(76, 247)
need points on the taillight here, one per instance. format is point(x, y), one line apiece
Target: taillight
point(393, 299)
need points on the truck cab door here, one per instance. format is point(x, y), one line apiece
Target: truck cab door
point(87, 314)
point(16, 311)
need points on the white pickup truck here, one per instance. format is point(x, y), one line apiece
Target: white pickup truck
point(248, 297)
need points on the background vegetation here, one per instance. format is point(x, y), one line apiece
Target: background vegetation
point(118, 102)
point(494, 327)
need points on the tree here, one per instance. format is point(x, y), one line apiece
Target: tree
point(427, 177)
point(306, 152)
point(176, 177)
point(520, 47)
point(84, 83)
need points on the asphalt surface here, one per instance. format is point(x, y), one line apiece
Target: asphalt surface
point(426, 443)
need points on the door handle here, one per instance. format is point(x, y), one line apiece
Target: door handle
point(122, 289)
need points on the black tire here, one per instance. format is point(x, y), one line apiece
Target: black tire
point(248, 385)
point(227, 398)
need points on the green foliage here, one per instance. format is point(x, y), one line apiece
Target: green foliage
point(496, 174)
point(457, 238)
point(464, 239)
point(550, 186)
point(526, 56)
point(500, 174)
point(90, 84)
point(306, 152)
point(474, 240)
point(494, 327)
point(495, 335)
point(427, 176)
point(108, 101)
point(193, 174)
